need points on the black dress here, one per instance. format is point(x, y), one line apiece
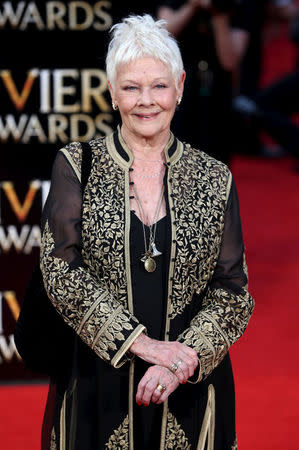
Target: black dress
point(149, 291)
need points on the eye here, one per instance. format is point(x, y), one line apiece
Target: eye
point(129, 88)
point(160, 86)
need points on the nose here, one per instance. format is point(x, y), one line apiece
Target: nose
point(146, 97)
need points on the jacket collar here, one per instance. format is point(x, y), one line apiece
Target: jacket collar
point(123, 156)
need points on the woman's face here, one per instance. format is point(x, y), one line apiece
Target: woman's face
point(146, 95)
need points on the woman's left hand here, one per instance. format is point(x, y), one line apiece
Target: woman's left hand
point(147, 388)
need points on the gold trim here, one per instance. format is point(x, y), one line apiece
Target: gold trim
point(126, 345)
point(164, 425)
point(208, 424)
point(62, 425)
point(131, 406)
point(229, 185)
point(176, 154)
point(127, 242)
point(105, 326)
point(115, 155)
point(126, 164)
point(70, 160)
point(90, 311)
point(200, 372)
point(208, 343)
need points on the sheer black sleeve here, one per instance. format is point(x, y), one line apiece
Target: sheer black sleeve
point(82, 299)
point(227, 305)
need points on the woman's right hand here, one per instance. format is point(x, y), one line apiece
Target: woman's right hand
point(163, 353)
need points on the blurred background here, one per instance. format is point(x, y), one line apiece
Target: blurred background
point(240, 105)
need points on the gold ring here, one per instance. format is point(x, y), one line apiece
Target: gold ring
point(174, 367)
point(161, 387)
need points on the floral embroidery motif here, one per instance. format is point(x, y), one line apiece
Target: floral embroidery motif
point(175, 435)
point(235, 445)
point(199, 192)
point(223, 323)
point(119, 440)
point(53, 445)
point(75, 293)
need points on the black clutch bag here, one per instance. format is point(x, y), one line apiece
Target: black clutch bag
point(44, 341)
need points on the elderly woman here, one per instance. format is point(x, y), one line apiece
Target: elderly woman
point(148, 269)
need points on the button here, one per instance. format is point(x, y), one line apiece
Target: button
point(131, 183)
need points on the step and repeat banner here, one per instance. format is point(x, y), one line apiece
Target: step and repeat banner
point(53, 90)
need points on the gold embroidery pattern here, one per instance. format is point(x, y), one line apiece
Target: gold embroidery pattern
point(199, 191)
point(245, 269)
point(235, 445)
point(175, 435)
point(225, 319)
point(119, 440)
point(103, 243)
point(74, 293)
point(53, 445)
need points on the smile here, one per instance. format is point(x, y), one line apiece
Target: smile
point(147, 116)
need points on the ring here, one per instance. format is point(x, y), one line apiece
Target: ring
point(174, 367)
point(179, 363)
point(161, 387)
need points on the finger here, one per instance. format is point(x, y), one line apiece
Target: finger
point(191, 362)
point(169, 389)
point(190, 366)
point(180, 370)
point(148, 391)
point(190, 353)
point(158, 392)
point(140, 389)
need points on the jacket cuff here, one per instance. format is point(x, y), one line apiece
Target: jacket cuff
point(122, 356)
point(208, 357)
point(197, 376)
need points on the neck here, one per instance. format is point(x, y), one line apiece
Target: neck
point(150, 148)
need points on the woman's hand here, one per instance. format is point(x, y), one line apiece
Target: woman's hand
point(147, 388)
point(182, 358)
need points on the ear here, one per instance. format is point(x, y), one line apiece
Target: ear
point(111, 91)
point(181, 84)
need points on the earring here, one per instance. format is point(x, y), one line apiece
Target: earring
point(114, 106)
point(178, 102)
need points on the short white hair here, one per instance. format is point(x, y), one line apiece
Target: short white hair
point(138, 37)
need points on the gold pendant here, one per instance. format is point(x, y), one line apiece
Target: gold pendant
point(150, 265)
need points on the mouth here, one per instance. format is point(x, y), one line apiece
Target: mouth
point(147, 116)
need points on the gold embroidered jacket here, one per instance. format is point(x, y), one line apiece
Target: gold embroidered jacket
point(89, 280)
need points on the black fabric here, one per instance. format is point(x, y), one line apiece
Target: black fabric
point(43, 339)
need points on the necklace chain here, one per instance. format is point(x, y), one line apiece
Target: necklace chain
point(150, 250)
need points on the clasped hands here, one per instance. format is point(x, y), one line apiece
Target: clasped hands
point(173, 363)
